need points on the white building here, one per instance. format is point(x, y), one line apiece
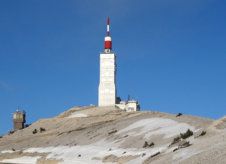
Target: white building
point(107, 94)
point(107, 87)
point(129, 106)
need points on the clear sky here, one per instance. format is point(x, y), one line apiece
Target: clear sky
point(171, 55)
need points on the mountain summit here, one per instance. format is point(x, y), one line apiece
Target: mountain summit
point(109, 135)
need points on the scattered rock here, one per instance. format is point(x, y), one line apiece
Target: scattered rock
point(125, 136)
point(203, 133)
point(175, 149)
point(199, 133)
point(183, 144)
point(13, 149)
point(150, 158)
point(187, 134)
point(79, 155)
point(109, 149)
point(179, 114)
point(41, 129)
point(143, 154)
point(151, 144)
point(111, 132)
point(175, 140)
point(146, 144)
point(34, 131)
point(155, 154)
point(11, 132)
point(124, 152)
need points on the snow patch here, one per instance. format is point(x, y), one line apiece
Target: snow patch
point(156, 126)
point(22, 160)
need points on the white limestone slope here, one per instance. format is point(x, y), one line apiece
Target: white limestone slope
point(102, 135)
point(156, 126)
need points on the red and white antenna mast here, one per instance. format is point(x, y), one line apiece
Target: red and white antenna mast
point(107, 39)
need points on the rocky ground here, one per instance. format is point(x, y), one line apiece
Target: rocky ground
point(109, 135)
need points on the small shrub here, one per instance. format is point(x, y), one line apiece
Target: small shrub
point(151, 144)
point(203, 133)
point(42, 129)
point(111, 132)
point(146, 144)
point(175, 149)
point(179, 114)
point(175, 140)
point(125, 136)
point(199, 133)
point(34, 131)
point(187, 134)
point(11, 132)
point(184, 144)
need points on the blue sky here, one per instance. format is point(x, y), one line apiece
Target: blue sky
point(171, 55)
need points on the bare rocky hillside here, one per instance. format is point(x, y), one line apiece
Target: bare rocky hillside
point(84, 135)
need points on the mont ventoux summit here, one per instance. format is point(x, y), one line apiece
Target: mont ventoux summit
point(115, 131)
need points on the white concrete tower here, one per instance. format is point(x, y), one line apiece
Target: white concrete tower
point(107, 87)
